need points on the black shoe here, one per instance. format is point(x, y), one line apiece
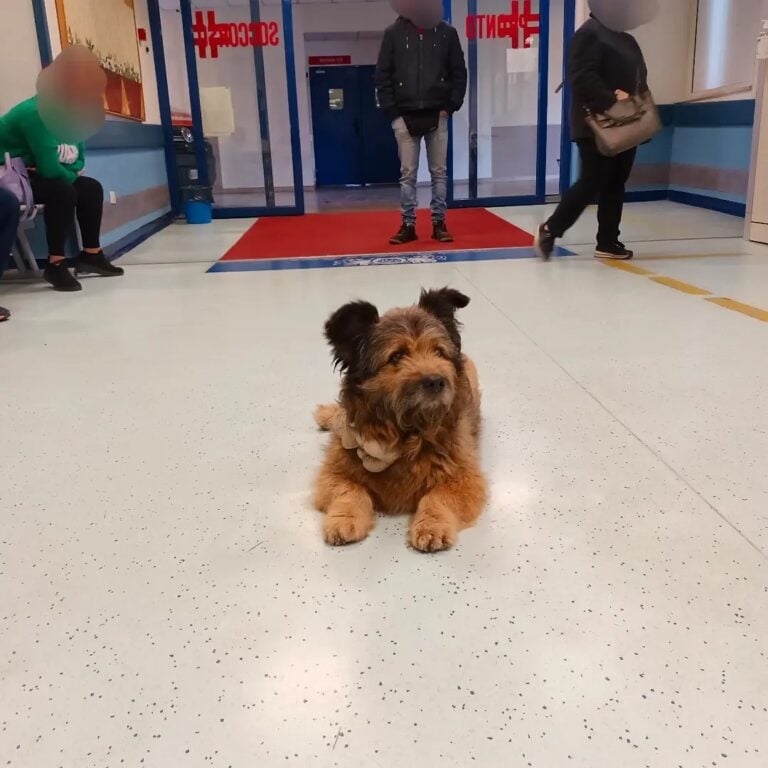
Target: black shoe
point(97, 263)
point(4, 314)
point(440, 232)
point(406, 234)
point(59, 276)
point(544, 242)
point(615, 251)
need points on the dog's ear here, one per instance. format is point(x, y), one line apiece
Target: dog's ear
point(443, 304)
point(347, 329)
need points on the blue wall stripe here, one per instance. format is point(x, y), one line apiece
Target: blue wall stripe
point(129, 171)
point(658, 151)
point(123, 134)
point(704, 192)
point(713, 113)
point(716, 147)
point(709, 202)
point(667, 113)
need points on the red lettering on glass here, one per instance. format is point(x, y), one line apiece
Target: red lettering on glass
point(211, 35)
point(519, 27)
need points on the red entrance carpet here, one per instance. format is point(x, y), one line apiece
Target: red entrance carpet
point(354, 234)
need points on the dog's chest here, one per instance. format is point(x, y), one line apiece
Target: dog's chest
point(399, 489)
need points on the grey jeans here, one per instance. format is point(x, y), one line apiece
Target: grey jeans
point(409, 148)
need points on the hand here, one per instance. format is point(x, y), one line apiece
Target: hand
point(621, 95)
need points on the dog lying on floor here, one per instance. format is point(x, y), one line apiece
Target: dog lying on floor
point(405, 433)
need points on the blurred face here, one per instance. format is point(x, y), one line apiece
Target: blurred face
point(71, 95)
point(423, 13)
point(624, 15)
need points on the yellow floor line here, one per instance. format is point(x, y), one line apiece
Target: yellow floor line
point(679, 285)
point(745, 309)
point(693, 290)
point(626, 266)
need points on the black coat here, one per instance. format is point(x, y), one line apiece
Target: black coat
point(601, 62)
point(420, 70)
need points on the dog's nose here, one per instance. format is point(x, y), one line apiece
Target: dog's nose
point(434, 384)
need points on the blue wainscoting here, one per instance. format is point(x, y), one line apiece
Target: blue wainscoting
point(701, 157)
point(128, 158)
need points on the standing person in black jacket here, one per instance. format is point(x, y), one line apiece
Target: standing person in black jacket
point(421, 78)
point(606, 65)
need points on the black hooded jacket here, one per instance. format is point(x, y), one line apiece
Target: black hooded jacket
point(420, 70)
point(601, 62)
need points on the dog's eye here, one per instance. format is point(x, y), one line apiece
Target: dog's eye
point(396, 357)
point(443, 353)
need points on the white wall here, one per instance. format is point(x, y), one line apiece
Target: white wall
point(665, 43)
point(20, 57)
point(175, 63)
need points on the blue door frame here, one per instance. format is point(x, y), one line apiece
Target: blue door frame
point(271, 209)
point(44, 45)
point(541, 136)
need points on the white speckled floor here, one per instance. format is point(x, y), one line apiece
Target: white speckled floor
point(166, 597)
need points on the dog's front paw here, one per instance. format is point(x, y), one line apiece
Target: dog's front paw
point(432, 535)
point(339, 531)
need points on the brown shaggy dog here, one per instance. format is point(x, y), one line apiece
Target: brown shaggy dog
point(408, 389)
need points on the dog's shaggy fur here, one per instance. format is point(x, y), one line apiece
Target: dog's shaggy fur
point(407, 389)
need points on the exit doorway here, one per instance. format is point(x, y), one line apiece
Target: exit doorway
point(353, 139)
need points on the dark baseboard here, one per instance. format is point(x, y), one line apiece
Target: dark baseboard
point(129, 242)
point(646, 196)
point(710, 203)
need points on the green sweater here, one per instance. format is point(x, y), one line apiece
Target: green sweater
point(23, 134)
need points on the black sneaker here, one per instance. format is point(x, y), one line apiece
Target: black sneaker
point(98, 264)
point(544, 243)
point(440, 232)
point(615, 251)
point(406, 234)
point(59, 276)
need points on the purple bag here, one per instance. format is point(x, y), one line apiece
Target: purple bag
point(15, 178)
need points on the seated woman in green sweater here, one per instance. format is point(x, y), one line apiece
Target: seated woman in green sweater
point(48, 132)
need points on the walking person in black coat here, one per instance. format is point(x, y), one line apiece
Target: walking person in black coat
point(606, 65)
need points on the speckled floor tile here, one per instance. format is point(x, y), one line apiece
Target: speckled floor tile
point(167, 599)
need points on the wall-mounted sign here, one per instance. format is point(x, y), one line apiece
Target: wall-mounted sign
point(329, 61)
point(210, 35)
point(519, 26)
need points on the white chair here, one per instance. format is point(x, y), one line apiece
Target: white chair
point(22, 253)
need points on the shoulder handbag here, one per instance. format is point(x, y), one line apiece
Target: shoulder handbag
point(627, 124)
point(15, 179)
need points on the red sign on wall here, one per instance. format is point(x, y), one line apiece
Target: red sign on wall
point(212, 35)
point(329, 61)
point(519, 27)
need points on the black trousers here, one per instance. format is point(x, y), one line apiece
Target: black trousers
point(62, 201)
point(603, 179)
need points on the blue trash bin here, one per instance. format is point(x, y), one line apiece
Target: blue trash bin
point(198, 205)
